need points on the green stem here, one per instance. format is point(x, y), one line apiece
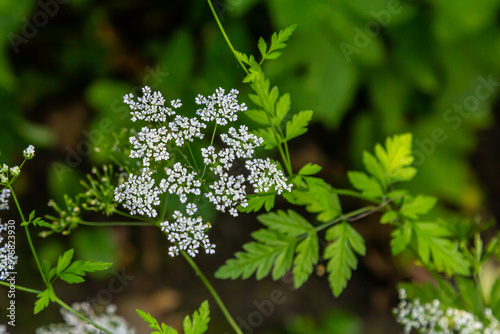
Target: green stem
point(30, 242)
point(211, 143)
point(354, 215)
point(21, 288)
point(352, 193)
point(192, 156)
point(225, 36)
point(87, 320)
point(124, 214)
point(212, 292)
point(115, 223)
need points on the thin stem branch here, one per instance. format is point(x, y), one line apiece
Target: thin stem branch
point(354, 215)
point(28, 236)
point(124, 214)
point(115, 223)
point(225, 36)
point(21, 288)
point(211, 143)
point(212, 292)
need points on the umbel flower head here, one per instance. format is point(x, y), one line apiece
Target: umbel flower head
point(432, 318)
point(168, 166)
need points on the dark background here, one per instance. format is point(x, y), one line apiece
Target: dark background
point(368, 69)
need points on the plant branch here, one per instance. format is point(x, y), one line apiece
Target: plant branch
point(212, 292)
point(21, 288)
point(225, 36)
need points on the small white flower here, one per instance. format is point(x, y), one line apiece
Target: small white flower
point(15, 171)
point(4, 199)
point(191, 209)
point(29, 152)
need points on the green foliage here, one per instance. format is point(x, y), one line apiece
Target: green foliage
point(72, 272)
point(318, 197)
point(44, 298)
point(197, 325)
point(340, 252)
point(277, 43)
point(288, 240)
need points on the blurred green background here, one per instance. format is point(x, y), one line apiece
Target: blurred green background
point(368, 69)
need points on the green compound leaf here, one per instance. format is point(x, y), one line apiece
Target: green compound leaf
point(277, 43)
point(256, 203)
point(75, 272)
point(153, 324)
point(290, 222)
point(43, 300)
point(319, 198)
point(307, 256)
point(199, 324)
point(345, 241)
point(282, 108)
point(258, 116)
point(260, 255)
point(268, 136)
point(298, 125)
point(416, 206)
point(64, 260)
point(436, 251)
point(368, 185)
point(401, 238)
point(288, 234)
point(374, 168)
point(310, 169)
point(396, 157)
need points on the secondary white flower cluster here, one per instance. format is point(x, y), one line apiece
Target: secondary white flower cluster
point(73, 325)
point(265, 176)
point(430, 318)
point(29, 152)
point(187, 233)
point(220, 107)
point(8, 259)
point(226, 189)
point(139, 193)
point(4, 199)
point(150, 107)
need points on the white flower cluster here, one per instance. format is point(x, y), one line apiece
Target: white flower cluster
point(265, 176)
point(74, 325)
point(187, 233)
point(430, 318)
point(4, 199)
point(150, 107)
point(140, 193)
point(29, 152)
point(220, 107)
point(5, 171)
point(8, 259)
